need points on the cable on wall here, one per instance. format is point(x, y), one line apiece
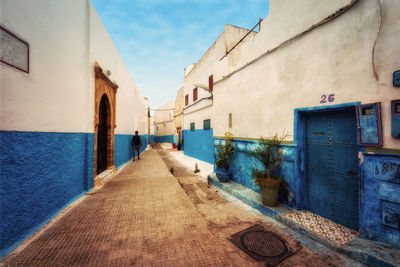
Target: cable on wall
point(376, 40)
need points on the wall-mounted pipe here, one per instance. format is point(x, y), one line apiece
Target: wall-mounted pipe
point(376, 40)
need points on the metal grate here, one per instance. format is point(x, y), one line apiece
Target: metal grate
point(262, 245)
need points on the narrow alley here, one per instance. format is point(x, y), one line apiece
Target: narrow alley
point(144, 216)
point(268, 133)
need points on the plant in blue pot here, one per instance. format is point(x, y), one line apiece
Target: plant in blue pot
point(225, 153)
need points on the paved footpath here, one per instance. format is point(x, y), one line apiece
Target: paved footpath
point(141, 217)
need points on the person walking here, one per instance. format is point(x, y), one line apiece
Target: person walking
point(136, 144)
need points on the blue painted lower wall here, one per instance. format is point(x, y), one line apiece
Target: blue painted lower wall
point(380, 201)
point(123, 148)
point(164, 139)
point(176, 139)
point(379, 214)
point(152, 138)
point(242, 164)
point(40, 174)
point(199, 144)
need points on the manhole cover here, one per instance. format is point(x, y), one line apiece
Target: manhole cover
point(264, 243)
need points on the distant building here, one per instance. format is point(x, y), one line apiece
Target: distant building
point(147, 119)
point(178, 117)
point(152, 130)
point(198, 96)
point(326, 74)
point(69, 108)
point(164, 123)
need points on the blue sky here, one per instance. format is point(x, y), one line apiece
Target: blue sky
point(157, 39)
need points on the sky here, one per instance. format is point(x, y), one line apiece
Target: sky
point(157, 39)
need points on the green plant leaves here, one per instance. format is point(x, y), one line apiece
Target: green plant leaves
point(225, 152)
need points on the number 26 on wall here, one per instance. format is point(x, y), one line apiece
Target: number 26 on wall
point(330, 98)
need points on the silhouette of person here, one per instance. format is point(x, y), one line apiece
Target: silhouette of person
point(136, 144)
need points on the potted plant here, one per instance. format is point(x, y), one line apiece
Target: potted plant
point(225, 154)
point(271, 156)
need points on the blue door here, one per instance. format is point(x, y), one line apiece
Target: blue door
point(332, 166)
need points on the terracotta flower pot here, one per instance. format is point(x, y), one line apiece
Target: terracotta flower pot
point(270, 193)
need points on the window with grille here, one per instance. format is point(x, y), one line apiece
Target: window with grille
point(192, 126)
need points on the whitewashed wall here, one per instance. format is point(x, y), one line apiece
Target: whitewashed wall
point(178, 112)
point(164, 119)
point(152, 132)
point(335, 58)
point(198, 74)
point(58, 93)
point(131, 112)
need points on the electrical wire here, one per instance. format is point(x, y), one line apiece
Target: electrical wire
point(162, 109)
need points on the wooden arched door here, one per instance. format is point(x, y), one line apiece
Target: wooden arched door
point(104, 123)
point(102, 135)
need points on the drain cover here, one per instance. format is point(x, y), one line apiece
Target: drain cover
point(263, 243)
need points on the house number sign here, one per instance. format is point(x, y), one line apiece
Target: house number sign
point(327, 98)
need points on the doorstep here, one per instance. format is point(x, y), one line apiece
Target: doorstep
point(365, 251)
point(105, 175)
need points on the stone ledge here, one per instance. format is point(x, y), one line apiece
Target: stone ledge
point(105, 175)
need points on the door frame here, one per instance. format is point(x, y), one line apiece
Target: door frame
point(104, 86)
point(179, 132)
point(299, 138)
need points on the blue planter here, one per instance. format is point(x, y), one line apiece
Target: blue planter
point(222, 174)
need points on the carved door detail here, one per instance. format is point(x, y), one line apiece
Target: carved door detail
point(104, 123)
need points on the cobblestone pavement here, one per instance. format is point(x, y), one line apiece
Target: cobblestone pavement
point(143, 217)
point(224, 219)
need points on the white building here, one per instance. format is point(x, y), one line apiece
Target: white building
point(164, 123)
point(178, 117)
point(69, 108)
point(198, 99)
point(326, 72)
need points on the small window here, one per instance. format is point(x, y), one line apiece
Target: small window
point(206, 125)
point(195, 94)
point(230, 120)
point(211, 83)
point(192, 126)
point(186, 100)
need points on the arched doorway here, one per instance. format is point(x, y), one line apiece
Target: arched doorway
point(104, 123)
point(102, 135)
